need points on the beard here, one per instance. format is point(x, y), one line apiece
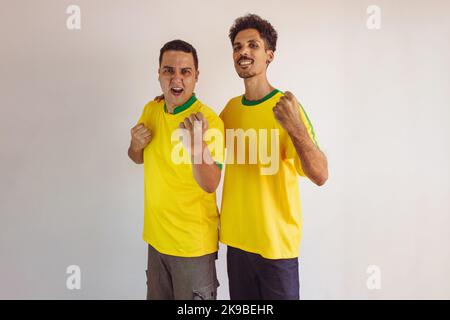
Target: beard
point(246, 74)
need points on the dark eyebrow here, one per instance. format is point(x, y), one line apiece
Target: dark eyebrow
point(171, 68)
point(249, 41)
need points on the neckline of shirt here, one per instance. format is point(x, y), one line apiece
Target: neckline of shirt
point(183, 107)
point(246, 102)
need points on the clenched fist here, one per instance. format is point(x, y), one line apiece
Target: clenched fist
point(196, 125)
point(287, 113)
point(140, 137)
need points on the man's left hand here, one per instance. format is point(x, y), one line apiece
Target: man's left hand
point(287, 113)
point(195, 124)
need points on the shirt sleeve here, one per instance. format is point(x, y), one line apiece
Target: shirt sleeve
point(142, 117)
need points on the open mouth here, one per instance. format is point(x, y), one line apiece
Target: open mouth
point(245, 62)
point(176, 91)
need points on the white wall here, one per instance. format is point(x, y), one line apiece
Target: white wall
point(378, 99)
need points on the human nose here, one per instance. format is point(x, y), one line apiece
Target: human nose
point(177, 76)
point(244, 51)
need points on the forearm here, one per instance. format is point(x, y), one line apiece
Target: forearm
point(314, 162)
point(136, 155)
point(206, 173)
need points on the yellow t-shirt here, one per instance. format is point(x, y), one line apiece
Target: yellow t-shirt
point(261, 210)
point(180, 218)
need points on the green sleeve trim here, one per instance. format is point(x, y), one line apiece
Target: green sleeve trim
point(310, 124)
point(218, 164)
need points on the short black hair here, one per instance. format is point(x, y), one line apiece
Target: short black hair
point(253, 21)
point(179, 45)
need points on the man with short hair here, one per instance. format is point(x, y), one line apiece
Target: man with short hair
point(180, 212)
point(260, 219)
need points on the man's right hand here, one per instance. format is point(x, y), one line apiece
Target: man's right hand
point(140, 137)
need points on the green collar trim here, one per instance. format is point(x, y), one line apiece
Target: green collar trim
point(246, 102)
point(184, 106)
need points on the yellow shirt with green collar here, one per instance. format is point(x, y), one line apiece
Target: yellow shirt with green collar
point(180, 218)
point(261, 213)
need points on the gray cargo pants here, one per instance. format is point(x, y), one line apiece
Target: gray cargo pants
point(170, 277)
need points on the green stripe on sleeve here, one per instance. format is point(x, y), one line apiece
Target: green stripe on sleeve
point(310, 124)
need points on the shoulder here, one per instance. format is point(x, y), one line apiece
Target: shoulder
point(234, 101)
point(206, 110)
point(210, 115)
point(231, 104)
point(150, 108)
point(153, 105)
point(278, 95)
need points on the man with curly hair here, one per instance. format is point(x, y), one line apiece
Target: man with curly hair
point(261, 214)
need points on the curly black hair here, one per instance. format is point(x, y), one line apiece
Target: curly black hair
point(253, 21)
point(179, 45)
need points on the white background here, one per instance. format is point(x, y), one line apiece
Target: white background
point(378, 99)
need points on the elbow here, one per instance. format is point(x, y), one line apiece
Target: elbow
point(321, 178)
point(321, 182)
point(134, 159)
point(322, 175)
point(210, 188)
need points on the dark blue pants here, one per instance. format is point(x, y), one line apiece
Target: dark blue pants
point(252, 277)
